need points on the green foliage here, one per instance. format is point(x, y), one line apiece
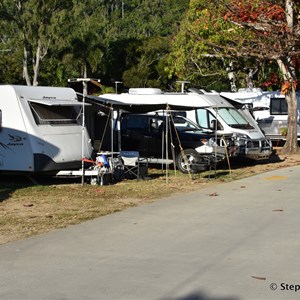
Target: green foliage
point(202, 50)
point(10, 67)
point(139, 42)
point(107, 37)
point(212, 36)
point(143, 25)
point(147, 70)
point(30, 24)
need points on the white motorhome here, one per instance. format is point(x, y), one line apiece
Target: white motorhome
point(269, 109)
point(145, 124)
point(41, 129)
point(207, 108)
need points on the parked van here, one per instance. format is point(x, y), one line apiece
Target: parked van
point(41, 129)
point(191, 147)
point(224, 118)
point(269, 109)
point(208, 110)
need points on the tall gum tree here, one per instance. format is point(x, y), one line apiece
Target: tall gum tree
point(37, 24)
point(85, 43)
point(264, 30)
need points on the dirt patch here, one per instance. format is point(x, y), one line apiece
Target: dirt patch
point(26, 209)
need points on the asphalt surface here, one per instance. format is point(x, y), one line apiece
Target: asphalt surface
point(231, 241)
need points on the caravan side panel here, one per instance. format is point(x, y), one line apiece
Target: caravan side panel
point(44, 140)
point(15, 149)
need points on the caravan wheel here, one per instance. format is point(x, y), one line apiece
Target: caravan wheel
point(185, 159)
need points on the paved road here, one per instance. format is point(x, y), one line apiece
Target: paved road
point(227, 242)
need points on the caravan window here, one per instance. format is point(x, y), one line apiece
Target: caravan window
point(55, 115)
point(278, 106)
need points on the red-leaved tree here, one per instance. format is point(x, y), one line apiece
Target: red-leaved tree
point(274, 34)
point(244, 30)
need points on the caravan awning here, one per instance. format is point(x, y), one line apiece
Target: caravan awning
point(134, 107)
point(57, 102)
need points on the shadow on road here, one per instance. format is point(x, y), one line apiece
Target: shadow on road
point(201, 296)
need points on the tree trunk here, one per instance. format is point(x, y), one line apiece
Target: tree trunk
point(36, 66)
point(289, 11)
point(25, 67)
point(289, 76)
point(291, 144)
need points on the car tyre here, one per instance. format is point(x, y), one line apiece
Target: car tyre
point(185, 159)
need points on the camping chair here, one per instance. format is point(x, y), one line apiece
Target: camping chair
point(134, 165)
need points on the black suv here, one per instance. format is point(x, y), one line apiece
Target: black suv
point(165, 139)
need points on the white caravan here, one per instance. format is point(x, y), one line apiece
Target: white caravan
point(41, 129)
point(269, 109)
point(207, 108)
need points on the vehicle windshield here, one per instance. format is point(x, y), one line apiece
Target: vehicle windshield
point(233, 118)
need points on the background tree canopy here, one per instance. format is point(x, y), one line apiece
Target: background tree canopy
point(139, 42)
point(47, 42)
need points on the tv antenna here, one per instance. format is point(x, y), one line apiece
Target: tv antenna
point(182, 82)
